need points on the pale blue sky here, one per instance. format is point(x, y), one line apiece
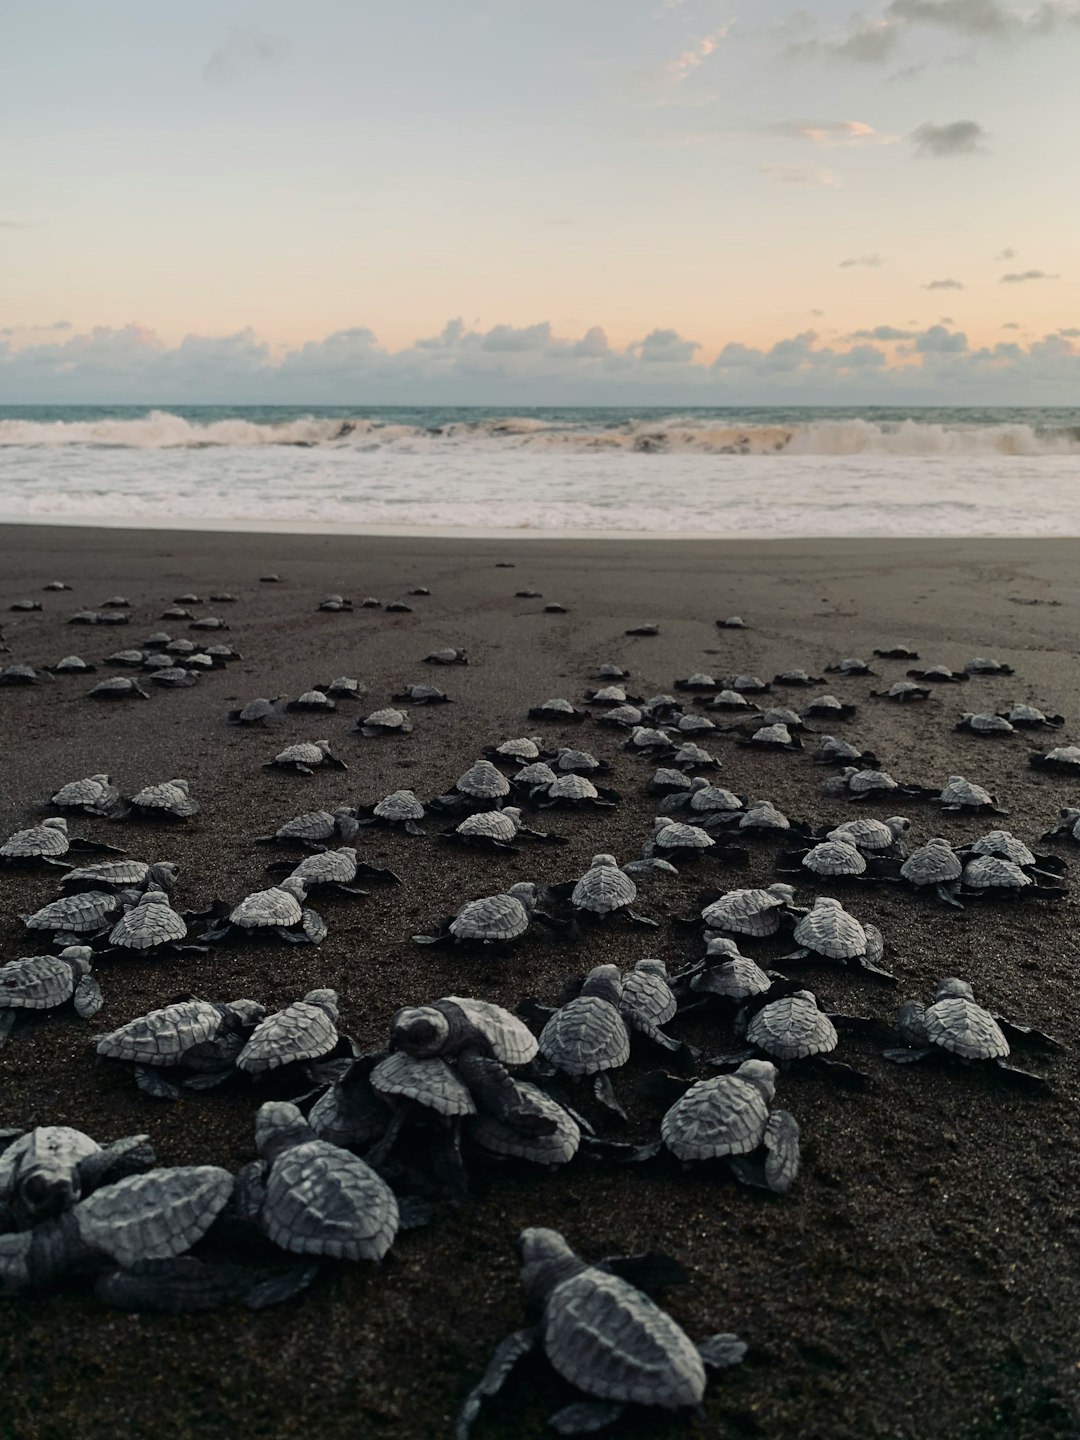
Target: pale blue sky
point(637, 165)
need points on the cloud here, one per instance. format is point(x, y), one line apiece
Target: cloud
point(968, 17)
point(870, 261)
point(875, 40)
point(1020, 277)
point(799, 175)
point(1012, 325)
point(1071, 332)
point(961, 137)
point(883, 332)
point(244, 50)
point(665, 347)
point(1007, 254)
point(657, 82)
point(939, 341)
point(831, 132)
point(946, 284)
point(14, 225)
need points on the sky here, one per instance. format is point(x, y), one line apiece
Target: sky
point(475, 200)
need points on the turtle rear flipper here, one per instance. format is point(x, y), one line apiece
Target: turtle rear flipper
point(1026, 1079)
point(129, 1156)
point(866, 966)
point(842, 1073)
point(507, 1353)
point(1017, 1034)
point(7, 1024)
point(721, 1352)
point(585, 1417)
point(948, 894)
point(208, 1080)
point(178, 1286)
point(280, 1285)
point(906, 1056)
point(314, 927)
point(378, 872)
point(151, 1082)
point(605, 1096)
point(87, 998)
point(644, 920)
point(781, 1144)
point(441, 936)
point(647, 1270)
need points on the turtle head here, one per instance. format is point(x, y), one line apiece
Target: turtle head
point(296, 886)
point(323, 745)
point(248, 1013)
point(154, 897)
point(721, 945)
point(604, 981)
point(55, 822)
point(650, 966)
point(419, 1030)
point(898, 824)
point(79, 957)
point(762, 1074)
point(325, 1000)
point(163, 875)
point(826, 902)
point(514, 812)
point(181, 785)
point(525, 891)
point(659, 824)
point(786, 893)
point(1067, 813)
point(953, 989)
point(545, 1260)
point(939, 840)
point(278, 1126)
point(603, 862)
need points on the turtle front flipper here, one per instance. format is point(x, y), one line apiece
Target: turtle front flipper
point(7, 1024)
point(906, 1056)
point(585, 1417)
point(87, 998)
point(640, 919)
point(842, 1073)
point(280, 1285)
point(378, 872)
point(508, 1352)
point(151, 1082)
point(96, 847)
point(721, 1352)
point(1017, 1034)
point(605, 1096)
point(1026, 1079)
point(129, 1156)
point(866, 966)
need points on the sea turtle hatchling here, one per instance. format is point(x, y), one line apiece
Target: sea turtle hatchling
point(555, 1144)
point(56, 585)
point(706, 802)
point(96, 795)
point(1068, 825)
point(455, 1024)
point(315, 829)
point(209, 622)
point(753, 912)
point(724, 975)
point(647, 740)
point(537, 776)
point(151, 1216)
point(934, 866)
point(305, 758)
point(447, 656)
point(732, 622)
point(344, 687)
point(279, 910)
point(495, 829)
point(669, 782)
point(829, 932)
point(896, 652)
point(557, 709)
point(313, 700)
point(649, 627)
point(771, 737)
point(1006, 846)
point(828, 707)
point(955, 1027)
point(609, 671)
point(45, 982)
point(870, 785)
point(699, 680)
point(730, 700)
point(74, 917)
point(1027, 717)
point(588, 1035)
point(961, 794)
point(422, 695)
point(995, 878)
point(610, 695)
point(1064, 759)
point(300, 1033)
point(983, 665)
point(334, 870)
point(334, 602)
point(168, 800)
point(132, 659)
point(850, 665)
point(797, 678)
point(492, 920)
point(671, 839)
point(47, 844)
point(133, 877)
point(745, 684)
point(149, 928)
point(520, 750)
point(578, 762)
point(763, 818)
point(624, 717)
point(388, 721)
point(400, 807)
point(988, 725)
point(940, 675)
point(118, 687)
point(603, 890)
point(189, 1045)
point(902, 692)
point(574, 790)
point(786, 1026)
point(47, 1170)
point(482, 786)
point(26, 605)
point(829, 859)
point(870, 836)
point(603, 1335)
point(71, 665)
point(316, 1198)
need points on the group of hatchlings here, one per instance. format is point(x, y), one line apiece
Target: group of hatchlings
point(377, 1137)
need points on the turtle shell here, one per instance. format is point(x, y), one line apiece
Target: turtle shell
point(724, 1115)
point(116, 687)
point(745, 912)
point(81, 914)
point(52, 1151)
point(495, 917)
point(576, 762)
point(313, 700)
point(1005, 846)
point(427, 1080)
point(510, 1039)
point(524, 748)
point(39, 840)
point(694, 724)
point(328, 867)
point(990, 872)
point(608, 695)
point(38, 982)
point(792, 1028)
point(613, 1342)
point(171, 797)
point(151, 923)
point(745, 684)
point(763, 815)
point(155, 1215)
point(385, 719)
point(321, 1200)
point(675, 836)
point(989, 725)
point(267, 908)
point(301, 1031)
point(715, 799)
point(306, 753)
point(734, 978)
point(729, 700)
point(490, 825)
point(537, 774)
point(96, 791)
point(830, 931)
point(642, 738)
point(586, 1036)
point(603, 888)
point(865, 834)
point(932, 865)
point(556, 1148)
point(863, 782)
point(400, 805)
point(961, 792)
point(647, 994)
point(313, 825)
point(834, 857)
point(572, 787)
point(965, 1029)
point(627, 715)
point(669, 781)
point(483, 781)
point(163, 1037)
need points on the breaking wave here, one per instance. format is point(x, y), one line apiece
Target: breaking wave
point(683, 435)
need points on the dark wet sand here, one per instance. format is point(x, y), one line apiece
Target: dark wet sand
point(923, 1279)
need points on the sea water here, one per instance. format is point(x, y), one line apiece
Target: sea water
point(700, 471)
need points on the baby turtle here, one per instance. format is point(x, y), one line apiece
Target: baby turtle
point(939, 674)
point(763, 818)
point(575, 790)
point(788, 1028)
point(700, 681)
point(384, 722)
point(76, 916)
point(302, 1032)
point(400, 807)
point(48, 843)
point(176, 678)
point(828, 707)
point(851, 665)
point(1027, 717)
point(1065, 759)
point(118, 687)
point(623, 716)
point(133, 877)
point(797, 678)
point(150, 927)
point(588, 1035)
point(724, 975)
point(608, 671)
point(555, 1144)
point(527, 594)
point(750, 912)
point(456, 1024)
point(1006, 846)
point(983, 665)
point(496, 829)
point(334, 870)
point(343, 688)
point(671, 839)
point(870, 785)
point(605, 889)
point(831, 859)
point(579, 762)
point(534, 777)
point(422, 695)
point(649, 628)
point(493, 920)
point(22, 675)
point(278, 911)
point(603, 1335)
point(312, 700)
point(772, 737)
point(708, 801)
point(607, 695)
point(45, 982)
point(317, 1199)
point(934, 866)
point(71, 665)
point(96, 795)
point(557, 709)
point(733, 622)
point(693, 757)
point(305, 758)
point(991, 876)
point(171, 799)
point(315, 829)
point(955, 1027)
point(522, 749)
point(483, 784)
point(260, 711)
point(177, 612)
point(192, 1045)
point(446, 657)
point(896, 652)
point(47, 1170)
point(961, 794)
point(209, 622)
point(369, 602)
point(746, 684)
point(56, 585)
point(872, 837)
point(831, 933)
point(397, 607)
point(730, 700)
point(670, 782)
point(1068, 825)
point(646, 741)
point(26, 605)
point(902, 692)
point(984, 724)
point(648, 1002)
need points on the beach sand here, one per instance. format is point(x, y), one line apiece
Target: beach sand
point(922, 1279)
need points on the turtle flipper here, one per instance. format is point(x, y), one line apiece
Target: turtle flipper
point(605, 1095)
point(842, 1073)
point(1027, 1079)
point(88, 998)
point(1024, 1034)
point(280, 1285)
point(947, 895)
point(867, 967)
point(7, 1024)
point(781, 1151)
point(906, 1056)
point(721, 1352)
point(508, 1352)
point(585, 1417)
point(649, 1270)
point(96, 847)
point(640, 919)
point(151, 1082)
point(129, 1156)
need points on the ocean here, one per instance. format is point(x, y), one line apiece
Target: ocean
point(769, 471)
